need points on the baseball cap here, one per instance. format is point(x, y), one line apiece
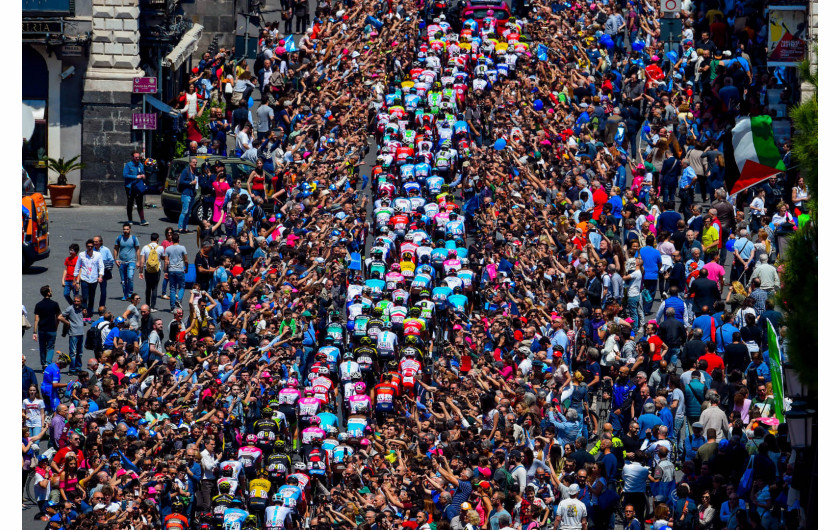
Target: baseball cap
point(574, 489)
point(466, 506)
point(697, 425)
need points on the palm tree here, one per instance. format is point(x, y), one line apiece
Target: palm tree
point(63, 167)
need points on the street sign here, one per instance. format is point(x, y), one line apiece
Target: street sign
point(144, 121)
point(71, 51)
point(670, 7)
point(670, 33)
point(145, 85)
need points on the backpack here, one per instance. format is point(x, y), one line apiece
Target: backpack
point(507, 483)
point(153, 263)
point(93, 337)
point(72, 385)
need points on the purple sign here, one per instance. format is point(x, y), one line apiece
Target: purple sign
point(145, 85)
point(144, 121)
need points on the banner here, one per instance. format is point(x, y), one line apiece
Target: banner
point(776, 373)
point(788, 30)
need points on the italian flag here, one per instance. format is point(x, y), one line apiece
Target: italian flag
point(750, 153)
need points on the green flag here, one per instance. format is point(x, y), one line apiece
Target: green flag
point(776, 372)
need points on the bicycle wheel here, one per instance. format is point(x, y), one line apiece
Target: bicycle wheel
point(29, 489)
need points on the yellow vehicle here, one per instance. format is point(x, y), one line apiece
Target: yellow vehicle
point(35, 224)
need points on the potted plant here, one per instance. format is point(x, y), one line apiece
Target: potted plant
point(61, 193)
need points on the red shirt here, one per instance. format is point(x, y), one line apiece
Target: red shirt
point(714, 362)
point(657, 347)
point(70, 267)
point(600, 198)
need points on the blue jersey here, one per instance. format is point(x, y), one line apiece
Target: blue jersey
point(422, 170)
point(411, 101)
point(439, 254)
point(291, 495)
point(440, 295)
point(328, 419)
point(454, 228)
point(234, 518)
point(434, 183)
point(333, 355)
point(421, 281)
point(407, 171)
point(375, 285)
point(459, 302)
point(52, 374)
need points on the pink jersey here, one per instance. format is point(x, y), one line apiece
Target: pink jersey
point(452, 264)
point(249, 456)
point(359, 404)
point(288, 396)
point(308, 407)
point(310, 434)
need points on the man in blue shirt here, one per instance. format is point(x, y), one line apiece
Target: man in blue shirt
point(134, 174)
point(667, 221)
point(743, 258)
point(51, 385)
point(186, 185)
point(723, 335)
point(687, 180)
point(652, 262)
point(127, 250)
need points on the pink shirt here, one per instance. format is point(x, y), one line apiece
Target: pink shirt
point(716, 271)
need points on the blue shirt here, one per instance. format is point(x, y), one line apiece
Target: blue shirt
point(704, 322)
point(668, 221)
point(130, 171)
point(128, 248)
point(52, 374)
point(687, 176)
point(107, 257)
point(185, 182)
point(648, 421)
point(652, 261)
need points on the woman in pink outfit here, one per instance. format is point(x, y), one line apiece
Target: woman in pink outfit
point(221, 187)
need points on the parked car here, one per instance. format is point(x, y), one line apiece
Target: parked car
point(170, 197)
point(35, 229)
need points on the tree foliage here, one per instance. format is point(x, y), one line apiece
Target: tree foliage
point(798, 295)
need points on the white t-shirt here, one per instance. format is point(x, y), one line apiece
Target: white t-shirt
point(634, 286)
point(33, 412)
point(243, 141)
point(571, 513)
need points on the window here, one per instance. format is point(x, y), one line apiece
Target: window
point(175, 170)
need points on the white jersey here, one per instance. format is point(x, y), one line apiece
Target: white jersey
point(571, 513)
point(347, 369)
point(453, 281)
point(278, 517)
point(386, 342)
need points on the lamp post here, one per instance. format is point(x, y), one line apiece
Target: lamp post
point(800, 421)
point(800, 428)
point(793, 385)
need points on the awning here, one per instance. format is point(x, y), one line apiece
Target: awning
point(159, 105)
point(185, 47)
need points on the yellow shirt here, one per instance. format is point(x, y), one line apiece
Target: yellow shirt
point(709, 236)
